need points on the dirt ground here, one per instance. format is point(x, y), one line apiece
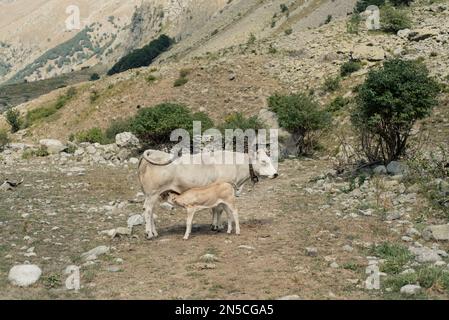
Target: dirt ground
point(278, 220)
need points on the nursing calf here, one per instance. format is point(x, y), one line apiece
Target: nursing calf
point(212, 196)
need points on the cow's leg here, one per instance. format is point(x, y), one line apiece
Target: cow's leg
point(214, 225)
point(190, 214)
point(235, 215)
point(229, 215)
point(150, 228)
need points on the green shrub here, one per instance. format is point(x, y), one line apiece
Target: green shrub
point(238, 120)
point(94, 76)
point(390, 101)
point(13, 118)
point(337, 104)
point(252, 39)
point(116, 127)
point(300, 115)
point(30, 153)
point(142, 57)
point(151, 78)
point(401, 2)
point(93, 135)
point(352, 26)
point(328, 19)
point(284, 7)
point(288, 31)
point(349, 67)
point(94, 95)
point(394, 19)
point(180, 82)
point(4, 139)
point(153, 126)
point(332, 84)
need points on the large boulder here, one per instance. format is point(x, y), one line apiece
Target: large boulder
point(52, 146)
point(127, 140)
point(368, 52)
point(24, 275)
point(422, 34)
point(436, 232)
point(424, 254)
point(397, 168)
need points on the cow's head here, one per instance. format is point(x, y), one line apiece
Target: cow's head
point(263, 166)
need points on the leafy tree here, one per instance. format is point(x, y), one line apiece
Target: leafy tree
point(389, 102)
point(14, 120)
point(142, 57)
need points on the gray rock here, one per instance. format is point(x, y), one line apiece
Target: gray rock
point(127, 140)
point(53, 146)
point(368, 52)
point(135, 220)
point(404, 33)
point(209, 257)
point(348, 248)
point(24, 275)
point(393, 216)
point(397, 168)
point(98, 251)
point(424, 254)
point(380, 170)
point(436, 232)
point(411, 290)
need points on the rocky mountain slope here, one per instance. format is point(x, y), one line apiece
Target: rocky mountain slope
point(311, 233)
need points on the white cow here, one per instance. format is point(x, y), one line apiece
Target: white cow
point(159, 173)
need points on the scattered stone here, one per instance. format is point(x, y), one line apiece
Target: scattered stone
point(411, 290)
point(407, 239)
point(393, 216)
point(94, 253)
point(209, 257)
point(127, 140)
point(436, 232)
point(334, 265)
point(135, 220)
point(348, 248)
point(121, 231)
point(424, 254)
point(113, 269)
point(247, 247)
point(408, 271)
point(24, 275)
point(311, 251)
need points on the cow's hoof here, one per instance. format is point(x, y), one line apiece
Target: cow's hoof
point(149, 235)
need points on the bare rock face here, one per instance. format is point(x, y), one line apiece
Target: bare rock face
point(422, 34)
point(368, 52)
point(436, 232)
point(24, 275)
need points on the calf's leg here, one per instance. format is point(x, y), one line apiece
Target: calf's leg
point(190, 214)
